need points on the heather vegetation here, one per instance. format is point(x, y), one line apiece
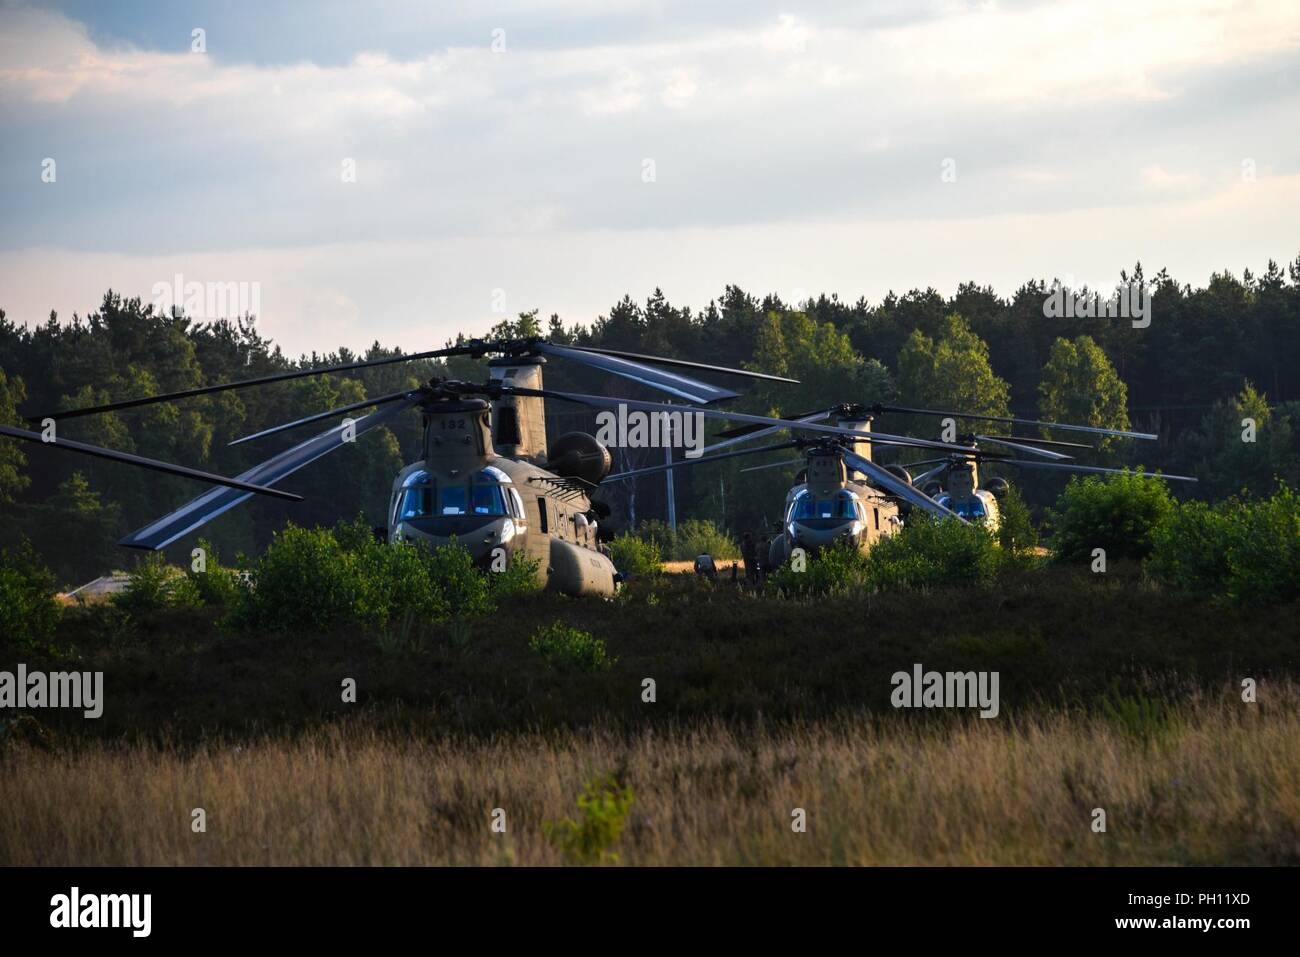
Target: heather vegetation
point(490, 651)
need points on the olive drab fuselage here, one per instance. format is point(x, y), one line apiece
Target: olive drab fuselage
point(831, 507)
point(501, 507)
point(964, 496)
point(823, 512)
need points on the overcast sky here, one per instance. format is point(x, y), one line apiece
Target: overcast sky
point(556, 154)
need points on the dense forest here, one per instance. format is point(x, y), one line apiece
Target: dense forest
point(1210, 358)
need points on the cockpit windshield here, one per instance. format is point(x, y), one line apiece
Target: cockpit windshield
point(488, 492)
point(967, 508)
point(452, 500)
point(843, 504)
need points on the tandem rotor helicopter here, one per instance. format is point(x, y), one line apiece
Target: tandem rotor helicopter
point(486, 475)
point(488, 478)
point(842, 495)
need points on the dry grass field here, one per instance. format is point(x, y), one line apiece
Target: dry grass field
point(1114, 694)
point(1214, 781)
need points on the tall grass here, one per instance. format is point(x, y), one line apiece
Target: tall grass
point(1220, 785)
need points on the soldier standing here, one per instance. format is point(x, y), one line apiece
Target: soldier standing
point(749, 555)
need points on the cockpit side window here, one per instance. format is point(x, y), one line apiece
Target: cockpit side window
point(802, 506)
point(490, 488)
point(419, 491)
point(489, 500)
point(847, 505)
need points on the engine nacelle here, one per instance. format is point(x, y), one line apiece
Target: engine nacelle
point(579, 455)
point(998, 486)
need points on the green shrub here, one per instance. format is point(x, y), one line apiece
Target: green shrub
point(603, 807)
point(660, 535)
point(568, 648)
point(925, 554)
point(929, 553)
point(702, 537)
point(215, 586)
point(634, 556)
point(836, 570)
point(304, 579)
point(412, 579)
point(316, 578)
point(28, 609)
point(1017, 536)
point(1264, 557)
point(149, 585)
point(1119, 513)
point(1190, 550)
point(693, 537)
point(1243, 550)
point(517, 580)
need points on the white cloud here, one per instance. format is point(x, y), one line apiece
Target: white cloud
point(680, 89)
point(619, 95)
point(784, 144)
point(419, 293)
point(1159, 178)
point(789, 35)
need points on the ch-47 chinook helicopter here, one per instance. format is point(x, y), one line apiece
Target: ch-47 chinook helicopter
point(954, 481)
point(486, 475)
point(842, 494)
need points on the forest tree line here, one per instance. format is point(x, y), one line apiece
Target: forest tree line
point(1210, 358)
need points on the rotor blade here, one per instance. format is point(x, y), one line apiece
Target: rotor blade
point(651, 469)
point(379, 400)
point(1034, 440)
point(1014, 421)
point(1045, 453)
point(747, 429)
point(751, 432)
point(684, 387)
point(934, 473)
point(494, 390)
point(787, 463)
point(1093, 469)
point(685, 364)
point(775, 465)
point(881, 438)
point(895, 486)
point(248, 488)
point(467, 349)
point(203, 509)
point(912, 465)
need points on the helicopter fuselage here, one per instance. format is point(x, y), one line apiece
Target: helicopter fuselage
point(828, 508)
point(961, 494)
point(500, 508)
